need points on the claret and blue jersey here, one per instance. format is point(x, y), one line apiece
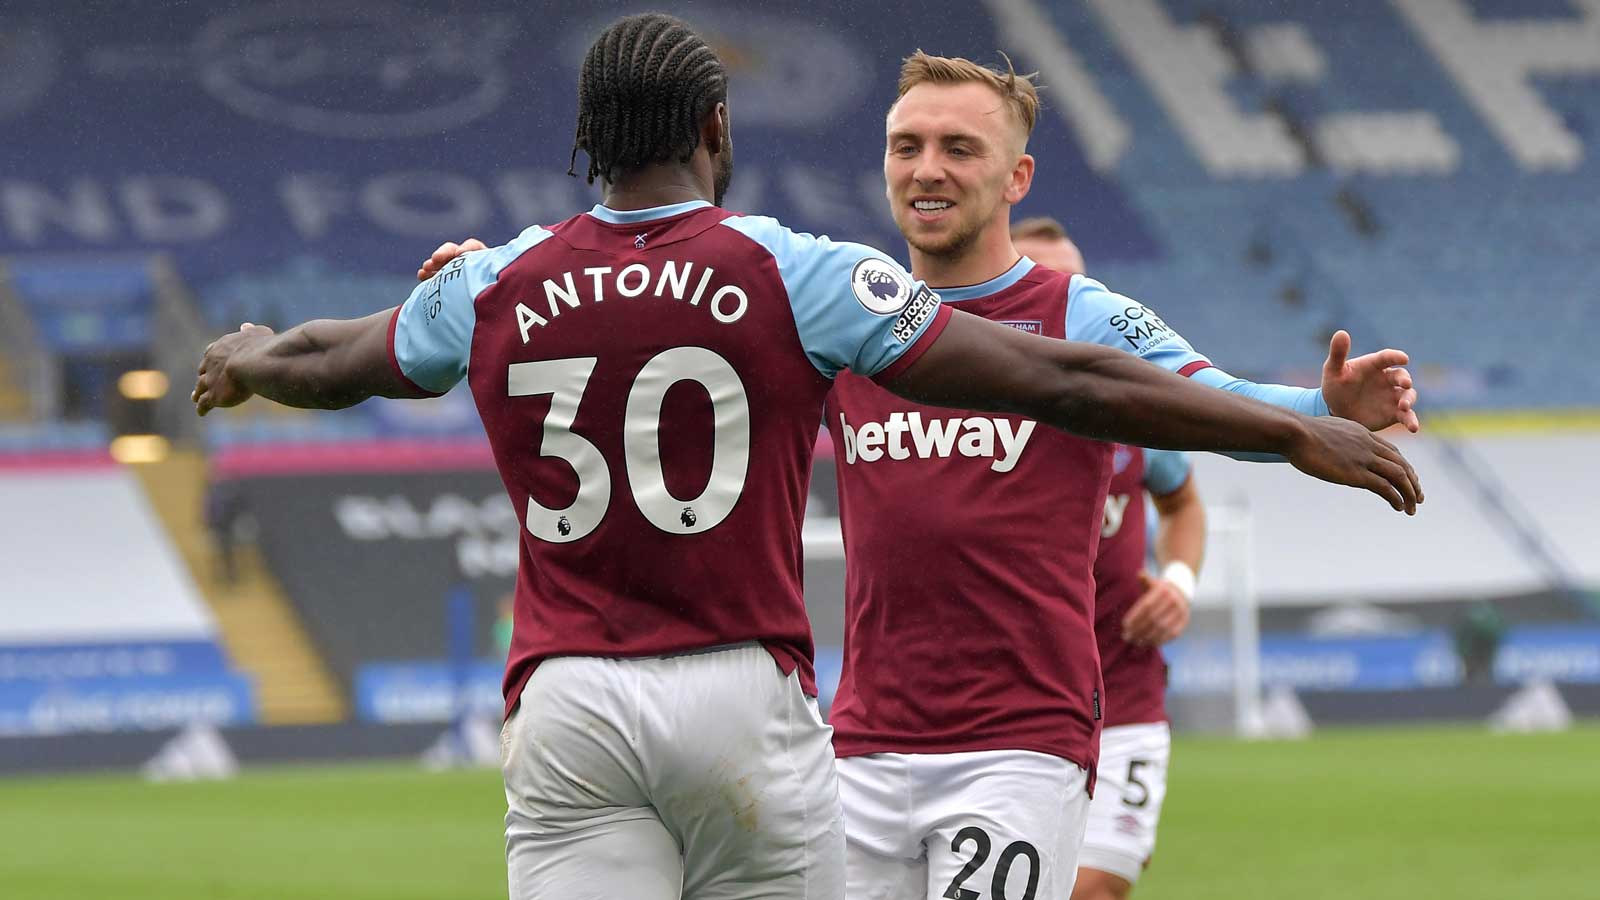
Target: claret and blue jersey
point(651, 383)
point(972, 538)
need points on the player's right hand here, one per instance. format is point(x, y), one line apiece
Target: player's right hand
point(447, 251)
point(214, 386)
point(1345, 452)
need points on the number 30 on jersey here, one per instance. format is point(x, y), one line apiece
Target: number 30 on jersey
point(565, 380)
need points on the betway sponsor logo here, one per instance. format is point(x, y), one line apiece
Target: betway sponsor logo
point(906, 435)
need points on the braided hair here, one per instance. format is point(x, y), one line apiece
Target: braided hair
point(646, 84)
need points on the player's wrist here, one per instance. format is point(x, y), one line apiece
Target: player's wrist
point(240, 367)
point(1295, 436)
point(1181, 576)
point(1319, 403)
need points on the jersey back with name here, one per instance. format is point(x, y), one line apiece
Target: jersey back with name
point(969, 539)
point(651, 389)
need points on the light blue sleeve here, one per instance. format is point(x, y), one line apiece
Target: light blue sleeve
point(433, 330)
point(1307, 401)
point(1097, 315)
point(854, 307)
point(1165, 470)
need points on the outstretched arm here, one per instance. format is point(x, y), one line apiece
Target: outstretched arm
point(1373, 389)
point(323, 364)
point(1109, 395)
point(418, 349)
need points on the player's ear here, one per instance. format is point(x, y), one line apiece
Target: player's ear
point(1021, 180)
point(714, 131)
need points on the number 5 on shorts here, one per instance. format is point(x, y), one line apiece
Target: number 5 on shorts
point(1142, 799)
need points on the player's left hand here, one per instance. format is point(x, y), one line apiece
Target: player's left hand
point(1158, 616)
point(1374, 389)
point(213, 388)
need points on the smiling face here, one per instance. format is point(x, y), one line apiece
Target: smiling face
point(954, 165)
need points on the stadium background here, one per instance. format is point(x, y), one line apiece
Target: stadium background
point(271, 586)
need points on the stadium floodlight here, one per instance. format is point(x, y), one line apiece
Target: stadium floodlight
point(132, 449)
point(143, 384)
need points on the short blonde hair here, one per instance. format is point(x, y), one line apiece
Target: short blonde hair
point(1041, 227)
point(1020, 94)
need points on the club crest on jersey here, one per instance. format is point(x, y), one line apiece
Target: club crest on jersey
point(880, 286)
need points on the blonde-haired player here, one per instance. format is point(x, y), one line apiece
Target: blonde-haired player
point(967, 721)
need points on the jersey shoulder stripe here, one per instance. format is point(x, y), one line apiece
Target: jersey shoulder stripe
point(430, 337)
point(854, 307)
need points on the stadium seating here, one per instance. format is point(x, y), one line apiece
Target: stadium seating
point(1286, 170)
point(1483, 270)
point(90, 643)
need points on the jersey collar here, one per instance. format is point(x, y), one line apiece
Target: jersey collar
point(632, 216)
point(992, 286)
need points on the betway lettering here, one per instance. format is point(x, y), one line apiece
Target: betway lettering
point(977, 437)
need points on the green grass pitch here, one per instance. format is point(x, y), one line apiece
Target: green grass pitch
point(1409, 814)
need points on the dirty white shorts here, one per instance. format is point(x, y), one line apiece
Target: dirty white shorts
point(704, 776)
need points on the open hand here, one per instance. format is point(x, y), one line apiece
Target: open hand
point(214, 388)
point(1374, 389)
point(447, 251)
point(1343, 452)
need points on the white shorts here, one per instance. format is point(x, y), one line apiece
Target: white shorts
point(1132, 785)
point(707, 776)
point(995, 824)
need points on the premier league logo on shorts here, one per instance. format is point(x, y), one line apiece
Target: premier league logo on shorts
point(880, 286)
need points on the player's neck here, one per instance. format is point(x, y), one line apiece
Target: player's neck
point(989, 256)
point(660, 184)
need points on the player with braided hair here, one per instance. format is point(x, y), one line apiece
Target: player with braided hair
point(633, 112)
point(651, 376)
